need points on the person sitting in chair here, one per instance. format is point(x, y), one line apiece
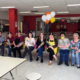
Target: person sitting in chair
point(29, 45)
point(2, 41)
point(52, 47)
point(18, 43)
point(64, 44)
point(40, 46)
point(10, 45)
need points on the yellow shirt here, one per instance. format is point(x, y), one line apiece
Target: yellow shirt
point(52, 44)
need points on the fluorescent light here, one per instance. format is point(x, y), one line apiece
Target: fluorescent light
point(57, 18)
point(8, 7)
point(25, 12)
point(41, 7)
point(73, 5)
point(6, 24)
point(39, 13)
point(62, 12)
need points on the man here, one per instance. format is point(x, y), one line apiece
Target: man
point(9, 42)
point(18, 43)
point(63, 44)
point(2, 40)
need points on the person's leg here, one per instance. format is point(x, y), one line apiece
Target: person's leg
point(9, 50)
point(66, 57)
point(39, 53)
point(61, 57)
point(26, 50)
point(77, 59)
point(2, 50)
point(19, 52)
point(14, 51)
point(29, 52)
point(50, 55)
point(73, 57)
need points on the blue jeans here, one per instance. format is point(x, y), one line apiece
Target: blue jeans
point(9, 50)
point(2, 50)
point(40, 52)
point(73, 55)
point(62, 52)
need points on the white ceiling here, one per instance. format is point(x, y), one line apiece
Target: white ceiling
point(54, 5)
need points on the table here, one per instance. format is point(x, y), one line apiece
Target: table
point(33, 76)
point(8, 63)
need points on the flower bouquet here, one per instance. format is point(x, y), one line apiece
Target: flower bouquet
point(41, 45)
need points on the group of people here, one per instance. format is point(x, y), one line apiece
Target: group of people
point(64, 44)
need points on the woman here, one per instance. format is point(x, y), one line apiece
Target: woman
point(64, 45)
point(18, 43)
point(40, 45)
point(29, 45)
point(52, 47)
point(75, 49)
point(9, 42)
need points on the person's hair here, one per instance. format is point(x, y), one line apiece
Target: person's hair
point(40, 36)
point(9, 33)
point(76, 34)
point(62, 33)
point(30, 33)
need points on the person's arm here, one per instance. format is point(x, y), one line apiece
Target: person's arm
point(68, 43)
point(59, 44)
point(56, 43)
point(3, 40)
point(46, 43)
point(21, 41)
point(71, 46)
point(14, 41)
point(7, 41)
point(26, 43)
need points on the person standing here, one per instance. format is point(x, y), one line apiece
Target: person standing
point(9, 42)
point(18, 43)
point(64, 44)
point(2, 41)
point(29, 45)
point(75, 49)
point(52, 47)
point(40, 45)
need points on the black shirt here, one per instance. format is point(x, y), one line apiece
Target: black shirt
point(39, 42)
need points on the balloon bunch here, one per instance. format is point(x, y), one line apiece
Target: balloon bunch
point(49, 17)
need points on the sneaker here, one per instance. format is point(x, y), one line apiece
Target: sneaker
point(66, 63)
point(78, 66)
point(72, 64)
point(59, 63)
point(41, 60)
point(37, 58)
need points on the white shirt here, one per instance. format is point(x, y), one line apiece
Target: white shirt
point(32, 41)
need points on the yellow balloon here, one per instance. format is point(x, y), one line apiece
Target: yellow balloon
point(52, 20)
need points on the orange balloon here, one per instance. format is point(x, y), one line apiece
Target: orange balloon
point(47, 21)
point(48, 13)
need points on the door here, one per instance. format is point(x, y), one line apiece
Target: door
point(39, 26)
point(25, 27)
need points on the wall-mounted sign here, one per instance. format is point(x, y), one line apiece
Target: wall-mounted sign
point(58, 27)
point(64, 26)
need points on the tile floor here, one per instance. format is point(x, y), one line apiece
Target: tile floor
point(48, 72)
